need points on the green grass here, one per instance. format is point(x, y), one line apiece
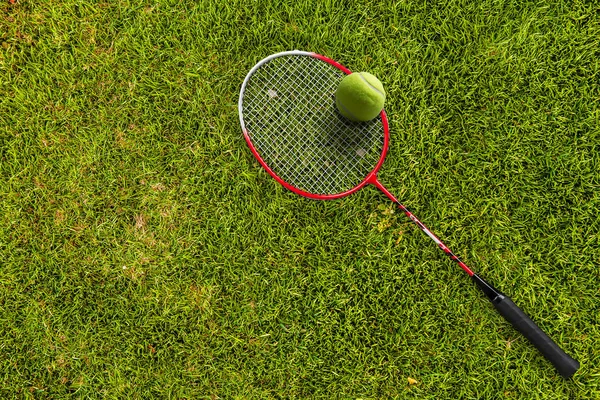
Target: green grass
point(145, 254)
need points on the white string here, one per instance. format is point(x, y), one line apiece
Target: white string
point(290, 115)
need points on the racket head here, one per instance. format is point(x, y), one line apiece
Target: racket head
point(290, 122)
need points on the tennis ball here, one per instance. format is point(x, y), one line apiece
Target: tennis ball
point(360, 96)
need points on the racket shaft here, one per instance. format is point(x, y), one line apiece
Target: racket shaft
point(373, 180)
point(437, 241)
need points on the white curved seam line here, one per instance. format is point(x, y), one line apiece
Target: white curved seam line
point(373, 87)
point(346, 109)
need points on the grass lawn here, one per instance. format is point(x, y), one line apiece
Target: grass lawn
point(145, 254)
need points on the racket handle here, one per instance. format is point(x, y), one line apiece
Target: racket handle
point(564, 364)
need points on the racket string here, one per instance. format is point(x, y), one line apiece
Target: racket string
point(290, 115)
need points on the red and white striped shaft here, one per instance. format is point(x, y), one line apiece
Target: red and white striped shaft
point(373, 180)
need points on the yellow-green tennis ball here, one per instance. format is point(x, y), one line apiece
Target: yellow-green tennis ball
point(360, 96)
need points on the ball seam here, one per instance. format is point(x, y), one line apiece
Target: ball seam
point(372, 87)
point(340, 104)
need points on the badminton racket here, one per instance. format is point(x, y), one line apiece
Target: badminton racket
point(289, 120)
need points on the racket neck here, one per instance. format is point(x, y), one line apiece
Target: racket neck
point(372, 179)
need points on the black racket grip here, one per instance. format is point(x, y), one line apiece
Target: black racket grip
point(564, 364)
